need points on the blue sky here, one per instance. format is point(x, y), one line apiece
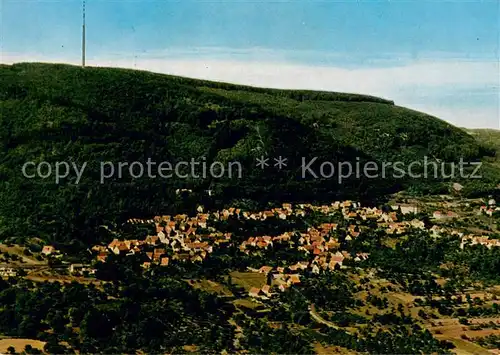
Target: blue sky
point(436, 56)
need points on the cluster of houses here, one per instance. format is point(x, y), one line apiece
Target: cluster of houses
point(466, 239)
point(280, 279)
point(490, 208)
point(320, 240)
point(315, 240)
point(187, 238)
point(483, 240)
point(178, 238)
point(283, 277)
point(184, 238)
point(393, 226)
point(185, 245)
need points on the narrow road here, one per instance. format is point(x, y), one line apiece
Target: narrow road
point(319, 319)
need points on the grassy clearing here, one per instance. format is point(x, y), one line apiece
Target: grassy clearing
point(19, 252)
point(247, 303)
point(450, 328)
point(490, 137)
point(212, 287)
point(326, 350)
point(64, 279)
point(464, 347)
point(247, 280)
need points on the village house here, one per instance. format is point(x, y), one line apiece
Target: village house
point(266, 290)
point(282, 287)
point(7, 272)
point(157, 253)
point(99, 248)
point(49, 250)
point(102, 256)
point(361, 257)
point(282, 214)
point(265, 269)
point(254, 292)
point(120, 249)
point(293, 279)
point(444, 215)
point(405, 209)
point(80, 269)
point(417, 224)
point(315, 269)
point(337, 258)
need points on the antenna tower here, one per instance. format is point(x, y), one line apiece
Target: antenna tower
point(83, 35)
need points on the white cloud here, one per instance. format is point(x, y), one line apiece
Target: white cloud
point(408, 84)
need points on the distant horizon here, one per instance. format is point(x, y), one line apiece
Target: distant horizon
point(441, 58)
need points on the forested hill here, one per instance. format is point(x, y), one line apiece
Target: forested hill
point(57, 113)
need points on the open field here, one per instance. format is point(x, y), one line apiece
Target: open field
point(63, 279)
point(19, 251)
point(327, 350)
point(19, 344)
point(211, 286)
point(450, 329)
point(247, 280)
point(247, 303)
point(464, 347)
point(495, 290)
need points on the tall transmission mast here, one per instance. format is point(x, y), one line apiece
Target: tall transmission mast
point(83, 35)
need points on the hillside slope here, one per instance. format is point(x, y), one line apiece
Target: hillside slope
point(58, 113)
point(488, 137)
